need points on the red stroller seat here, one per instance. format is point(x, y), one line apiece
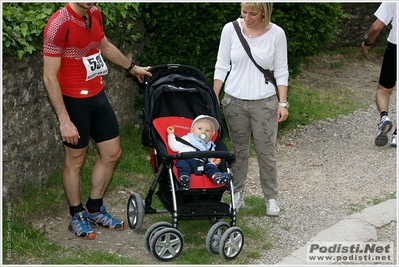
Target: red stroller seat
point(182, 127)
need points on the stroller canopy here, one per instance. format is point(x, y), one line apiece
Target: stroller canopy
point(177, 90)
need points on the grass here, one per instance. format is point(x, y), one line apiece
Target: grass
point(24, 244)
point(357, 207)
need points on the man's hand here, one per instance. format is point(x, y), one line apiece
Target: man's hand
point(69, 132)
point(140, 72)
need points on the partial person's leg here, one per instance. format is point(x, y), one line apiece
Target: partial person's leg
point(213, 173)
point(239, 128)
point(385, 125)
point(104, 130)
point(109, 154)
point(185, 169)
point(264, 129)
point(393, 139)
point(386, 83)
point(74, 159)
point(382, 97)
point(71, 180)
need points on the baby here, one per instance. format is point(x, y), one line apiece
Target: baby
point(202, 130)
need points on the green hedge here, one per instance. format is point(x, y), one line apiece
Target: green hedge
point(189, 33)
point(185, 33)
point(23, 25)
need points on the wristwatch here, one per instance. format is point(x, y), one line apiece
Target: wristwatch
point(132, 64)
point(283, 104)
point(365, 42)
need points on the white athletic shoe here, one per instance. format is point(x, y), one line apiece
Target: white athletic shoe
point(272, 208)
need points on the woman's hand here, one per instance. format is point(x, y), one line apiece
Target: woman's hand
point(282, 114)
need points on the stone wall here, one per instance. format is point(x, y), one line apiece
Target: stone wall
point(32, 148)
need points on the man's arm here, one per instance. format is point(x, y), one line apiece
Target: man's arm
point(374, 31)
point(115, 56)
point(69, 133)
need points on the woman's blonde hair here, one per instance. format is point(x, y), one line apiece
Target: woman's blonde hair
point(266, 8)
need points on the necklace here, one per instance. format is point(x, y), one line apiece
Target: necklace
point(259, 30)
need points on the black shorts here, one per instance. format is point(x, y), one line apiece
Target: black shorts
point(388, 68)
point(93, 117)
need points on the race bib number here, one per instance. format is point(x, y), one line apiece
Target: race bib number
point(95, 66)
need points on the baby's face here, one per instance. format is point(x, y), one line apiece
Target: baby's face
point(203, 127)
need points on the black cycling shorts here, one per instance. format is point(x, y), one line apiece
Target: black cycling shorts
point(388, 68)
point(93, 117)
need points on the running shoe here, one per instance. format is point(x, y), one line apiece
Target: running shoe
point(384, 127)
point(80, 226)
point(104, 219)
point(393, 141)
point(272, 208)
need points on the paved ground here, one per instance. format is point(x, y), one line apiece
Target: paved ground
point(360, 227)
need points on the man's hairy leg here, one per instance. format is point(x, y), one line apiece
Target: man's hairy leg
point(382, 98)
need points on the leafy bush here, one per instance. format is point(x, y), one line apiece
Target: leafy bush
point(185, 33)
point(23, 25)
point(189, 33)
point(309, 27)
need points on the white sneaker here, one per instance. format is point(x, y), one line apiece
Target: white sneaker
point(393, 141)
point(384, 127)
point(272, 208)
point(239, 200)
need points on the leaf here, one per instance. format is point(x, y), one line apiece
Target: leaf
point(20, 54)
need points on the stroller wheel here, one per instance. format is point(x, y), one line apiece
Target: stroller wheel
point(167, 244)
point(231, 243)
point(135, 211)
point(152, 230)
point(214, 235)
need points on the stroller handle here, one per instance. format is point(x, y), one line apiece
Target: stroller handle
point(181, 67)
point(229, 156)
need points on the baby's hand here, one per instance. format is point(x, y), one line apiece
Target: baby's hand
point(216, 161)
point(170, 130)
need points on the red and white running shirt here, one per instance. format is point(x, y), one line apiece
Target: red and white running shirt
point(67, 36)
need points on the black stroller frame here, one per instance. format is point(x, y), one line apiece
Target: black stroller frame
point(171, 84)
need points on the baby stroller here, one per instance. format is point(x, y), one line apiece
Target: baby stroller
point(175, 95)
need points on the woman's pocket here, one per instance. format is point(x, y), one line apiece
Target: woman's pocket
point(226, 100)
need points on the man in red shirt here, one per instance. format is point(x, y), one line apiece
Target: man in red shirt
point(74, 43)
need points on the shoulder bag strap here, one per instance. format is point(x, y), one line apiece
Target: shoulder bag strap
point(267, 73)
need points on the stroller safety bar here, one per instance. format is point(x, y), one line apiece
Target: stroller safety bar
point(228, 155)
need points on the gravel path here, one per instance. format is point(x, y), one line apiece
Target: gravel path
point(326, 171)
